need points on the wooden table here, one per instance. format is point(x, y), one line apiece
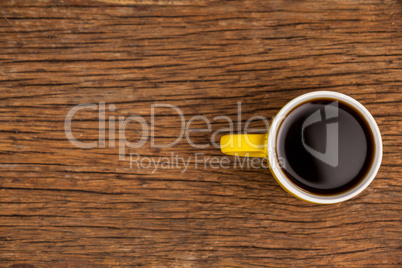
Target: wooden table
point(65, 206)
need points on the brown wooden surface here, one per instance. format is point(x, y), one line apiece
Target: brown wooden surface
point(61, 206)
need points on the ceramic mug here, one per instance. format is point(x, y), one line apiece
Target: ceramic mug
point(265, 146)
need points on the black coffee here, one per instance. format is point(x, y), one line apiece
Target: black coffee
point(327, 146)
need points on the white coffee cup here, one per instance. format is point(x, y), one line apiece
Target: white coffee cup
point(264, 145)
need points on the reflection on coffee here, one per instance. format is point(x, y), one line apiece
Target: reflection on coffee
point(327, 146)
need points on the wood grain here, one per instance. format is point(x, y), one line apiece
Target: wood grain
point(62, 206)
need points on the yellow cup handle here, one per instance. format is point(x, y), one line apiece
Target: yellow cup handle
point(251, 145)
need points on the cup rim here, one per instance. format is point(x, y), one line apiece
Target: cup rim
point(291, 187)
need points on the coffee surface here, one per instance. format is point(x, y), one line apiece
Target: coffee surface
point(326, 145)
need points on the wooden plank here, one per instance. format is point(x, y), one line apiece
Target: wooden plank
point(62, 206)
